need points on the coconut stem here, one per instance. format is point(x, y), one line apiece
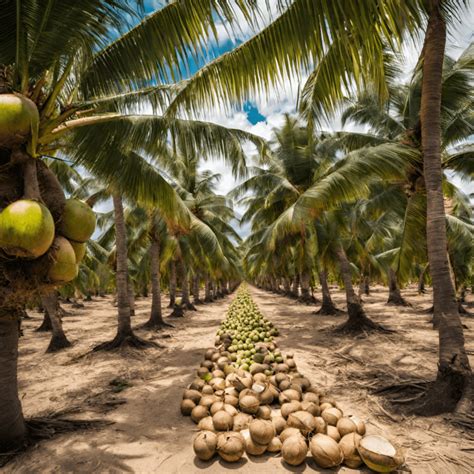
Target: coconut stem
point(31, 189)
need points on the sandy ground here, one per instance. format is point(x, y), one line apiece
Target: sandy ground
point(148, 434)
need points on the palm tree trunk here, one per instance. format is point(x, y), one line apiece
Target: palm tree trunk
point(124, 334)
point(295, 286)
point(207, 290)
point(286, 286)
point(421, 280)
point(131, 296)
point(58, 338)
point(183, 276)
point(12, 423)
point(45, 326)
point(196, 299)
point(156, 316)
point(327, 306)
point(394, 296)
point(454, 372)
point(305, 297)
point(172, 284)
point(358, 320)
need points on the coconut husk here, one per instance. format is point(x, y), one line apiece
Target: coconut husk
point(205, 445)
point(379, 453)
point(325, 451)
point(294, 450)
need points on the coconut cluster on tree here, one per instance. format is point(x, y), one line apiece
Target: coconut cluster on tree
point(42, 234)
point(268, 406)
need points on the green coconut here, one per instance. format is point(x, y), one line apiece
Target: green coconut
point(26, 229)
point(79, 250)
point(18, 119)
point(64, 267)
point(78, 221)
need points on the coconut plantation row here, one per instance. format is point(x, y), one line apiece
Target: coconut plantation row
point(236, 406)
point(254, 214)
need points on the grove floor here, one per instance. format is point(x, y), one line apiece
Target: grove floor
point(147, 433)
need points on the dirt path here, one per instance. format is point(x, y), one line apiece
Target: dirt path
point(148, 433)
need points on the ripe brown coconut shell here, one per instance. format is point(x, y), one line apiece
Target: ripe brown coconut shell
point(222, 421)
point(197, 384)
point(193, 395)
point(64, 267)
point(206, 424)
point(303, 382)
point(283, 368)
point(203, 372)
point(379, 453)
point(321, 425)
point(205, 445)
point(19, 119)
point(275, 445)
point(351, 424)
point(290, 407)
point(291, 364)
point(294, 386)
point(232, 391)
point(262, 431)
point(349, 444)
point(333, 432)
point(249, 404)
point(331, 415)
point(230, 446)
point(260, 378)
point(231, 400)
point(325, 451)
point(222, 362)
point(325, 406)
point(311, 397)
point(264, 412)
point(247, 391)
point(208, 400)
point(284, 385)
point(207, 390)
point(294, 450)
point(198, 413)
point(280, 377)
point(207, 364)
point(310, 407)
point(288, 432)
point(187, 406)
point(279, 423)
point(209, 353)
point(289, 395)
point(217, 383)
point(251, 447)
point(242, 421)
point(302, 420)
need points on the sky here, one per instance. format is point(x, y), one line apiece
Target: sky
point(265, 113)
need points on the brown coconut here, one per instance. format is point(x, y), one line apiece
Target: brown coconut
point(230, 446)
point(331, 415)
point(288, 432)
point(231, 400)
point(264, 412)
point(349, 444)
point(262, 431)
point(222, 421)
point(351, 424)
point(198, 413)
point(242, 421)
point(197, 384)
point(302, 420)
point(294, 450)
point(379, 453)
point(321, 425)
point(251, 447)
point(205, 445)
point(187, 407)
point(249, 404)
point(206, 424)
point(193, 395)
point(325, 451)
point(279, 423)
point(275, 445)
point(208, 400)
point(310, 407)
point(207, 390)
point(217, 383)
point(311, 397)
point(333, 432)
point(290, 407)
point(289, 395)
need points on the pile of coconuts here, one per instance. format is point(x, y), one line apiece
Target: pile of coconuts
point(272, 408)
point(42, 234)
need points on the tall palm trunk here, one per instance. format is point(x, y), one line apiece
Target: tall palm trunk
point(207, 290)
point(124, 334)
point(286, 286)
point(196, 298)
point(421, 280)
point(156, 316)
point(45, 325)
point(394, 295)
point(454, 376)
point(327, 306)
point(295, 286)
point(358, 320)
point(172, 284)
point(305, 279)
point(131, 296)
point(183, 276)
point(58, 338)
point(12, 423)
